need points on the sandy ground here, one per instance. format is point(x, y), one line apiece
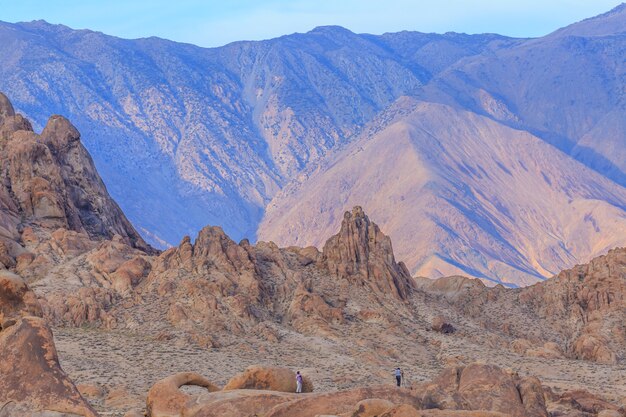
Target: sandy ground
point(126, 364)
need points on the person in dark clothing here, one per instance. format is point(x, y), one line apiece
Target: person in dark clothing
point(398, 374)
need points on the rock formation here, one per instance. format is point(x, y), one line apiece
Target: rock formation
point(50, 182)
point(31, 379)
point(472, 391)
point(361, 252)
point(578, 313)
point(346, 316)
point(271, 379)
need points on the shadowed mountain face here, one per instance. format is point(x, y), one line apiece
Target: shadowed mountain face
point(185, 136)
point(567, 88)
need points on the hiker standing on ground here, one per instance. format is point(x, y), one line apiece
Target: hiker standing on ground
point(398, 374)
point(298, 382)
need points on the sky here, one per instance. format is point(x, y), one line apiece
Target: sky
point(217, 22)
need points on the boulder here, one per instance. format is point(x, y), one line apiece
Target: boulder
point(371, 407)
point(16, 299)
point(593, 348)
point(236, 403)
point(341, 402)
point(165, 399)
point(268, 378)
point(31, 379)
point(441, 325)
point(586, 402)
point(484, 387)
point(403, 410)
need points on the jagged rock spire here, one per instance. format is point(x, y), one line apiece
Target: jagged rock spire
point(361, 252)
point(6, 108)
point(52, 181)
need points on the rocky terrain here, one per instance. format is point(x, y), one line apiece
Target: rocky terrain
point(212, 327)
point(231, 136)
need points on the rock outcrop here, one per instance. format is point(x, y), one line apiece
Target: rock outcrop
point(472, 391)
point(165, 399)
point(578, 313)
point(31, 379)
point(49, 181)
point(268, 378)
point(217, 284)
point(361, 253)
point(485, 387)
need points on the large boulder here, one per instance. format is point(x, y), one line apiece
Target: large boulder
point(165, 399)
point(440, 324)
point(31, 379)
point(593, 348)
point(16, 300)
point(334, 403)
point(485, 387)
point(235, 403)
point(268, 378)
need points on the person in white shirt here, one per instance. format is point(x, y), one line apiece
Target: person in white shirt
point(298, 382)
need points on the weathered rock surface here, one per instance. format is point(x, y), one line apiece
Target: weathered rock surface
point(476, 390)
point(440, 324)
point(50, 182)
point(165, 399)
point(362, 253)
point(271, 379)
point(578, 313)
point(485, 387)
point(31, 379)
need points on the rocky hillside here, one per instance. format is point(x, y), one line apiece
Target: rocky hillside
point(216, 134)
point(213, 133)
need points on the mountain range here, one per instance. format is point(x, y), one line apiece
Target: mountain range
point(502, 158)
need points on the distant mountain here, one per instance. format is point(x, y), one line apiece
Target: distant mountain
point(460, 194)
point(184, 136)
point(566, 88)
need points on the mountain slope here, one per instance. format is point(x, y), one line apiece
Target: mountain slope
point(566, 88)
point(458, 193)
point(212, 133)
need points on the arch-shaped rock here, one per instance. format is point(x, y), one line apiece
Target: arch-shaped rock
point(165, 399)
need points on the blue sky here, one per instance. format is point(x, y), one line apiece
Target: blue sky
point(214, 23)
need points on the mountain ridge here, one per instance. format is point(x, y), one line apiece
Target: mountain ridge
point(216, 133)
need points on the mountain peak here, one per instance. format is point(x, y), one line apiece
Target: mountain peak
point(330, 29)
point(333, 31)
